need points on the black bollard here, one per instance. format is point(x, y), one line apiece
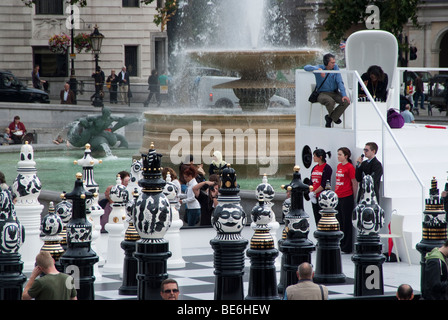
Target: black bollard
point(12, 236)
point(296, 247)
point(328, 234)
point(368, 218)
point(129, 285)
point(434, 229)
point(152, 218)
point(79, 258)
point(229, 219)
point(262, 252)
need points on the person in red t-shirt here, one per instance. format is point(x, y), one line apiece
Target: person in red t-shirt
point(320, 174)
point(17, 130)
point(346, 188)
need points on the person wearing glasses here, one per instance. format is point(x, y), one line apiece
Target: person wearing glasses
point(372, 166)
point(169, 289)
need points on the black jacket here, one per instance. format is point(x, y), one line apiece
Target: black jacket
point(126, 77)
point(373, 168)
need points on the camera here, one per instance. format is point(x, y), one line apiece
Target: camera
point(211, 188)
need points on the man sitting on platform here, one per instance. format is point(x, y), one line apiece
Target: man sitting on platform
point(331, 89)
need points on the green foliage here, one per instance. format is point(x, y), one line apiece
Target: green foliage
point(343, 14)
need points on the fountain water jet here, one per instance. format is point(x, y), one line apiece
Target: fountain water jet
point(250, 51)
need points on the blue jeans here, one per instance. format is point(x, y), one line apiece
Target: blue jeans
point(418, 96)
point(193, 216)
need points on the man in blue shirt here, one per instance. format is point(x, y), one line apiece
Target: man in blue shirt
point(332, 91)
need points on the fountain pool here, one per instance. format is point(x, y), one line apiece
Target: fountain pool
point(56, 170)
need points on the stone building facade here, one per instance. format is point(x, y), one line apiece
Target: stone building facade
point(131, 38)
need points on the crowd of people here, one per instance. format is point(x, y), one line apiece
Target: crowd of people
point(347, 187)
point(197, 196)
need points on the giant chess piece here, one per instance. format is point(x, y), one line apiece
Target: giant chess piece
point(296, 247)
point(51, 227)
point(152, 218)
point(135, 175)
point(265, 190)
point(228, 220)
point(27, 187)
point(131, 236)
point(115, 228)
point(368, 219)
point(11, 236)
point(64, 210)
point(79, 258)
point(262, 251)
point(94, 210)
point(286, 205)
point(173, 234)
point(328, 234)
point(434, 228)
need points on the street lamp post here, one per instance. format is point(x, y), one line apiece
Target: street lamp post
point(73, 83)
point(97, 39)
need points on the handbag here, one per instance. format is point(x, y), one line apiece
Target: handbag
point(315, 93)
point(394, 119)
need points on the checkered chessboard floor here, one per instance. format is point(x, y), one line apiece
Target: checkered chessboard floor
point(197, 280)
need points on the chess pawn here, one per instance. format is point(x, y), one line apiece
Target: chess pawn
point(12, 236)
point(27, 187)
point(265, 192)
point(135, 175)
point(328, 234)
point(115, 228)
point(262, 251)
point(64, 210)
point(173, 234)
point(51, 227)
point(131, 236)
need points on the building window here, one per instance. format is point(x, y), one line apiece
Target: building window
point(131, 3)
point(49, 7)
point(130, 59)
point(51, 64)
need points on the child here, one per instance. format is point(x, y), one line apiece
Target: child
point(5, 138)
point(58, 140)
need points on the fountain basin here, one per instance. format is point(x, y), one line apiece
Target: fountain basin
point(255, 89)
point(254, 64)
point(254, 143)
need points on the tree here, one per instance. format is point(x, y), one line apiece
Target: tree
point(343, 14)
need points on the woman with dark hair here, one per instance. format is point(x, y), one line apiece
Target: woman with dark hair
point(320, 175)
point(193, 208)
point(346, 188)
point(376, 82)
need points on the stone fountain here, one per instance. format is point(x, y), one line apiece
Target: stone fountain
point(255, 88)
point(263, 136)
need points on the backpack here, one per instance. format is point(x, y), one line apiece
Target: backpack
point(394, 119)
